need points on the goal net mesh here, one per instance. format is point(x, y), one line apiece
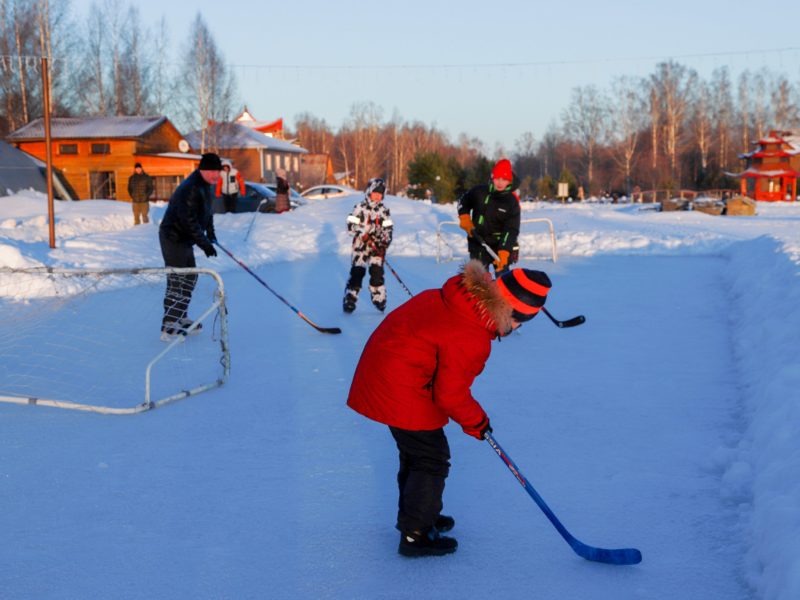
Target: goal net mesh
point(87, 339)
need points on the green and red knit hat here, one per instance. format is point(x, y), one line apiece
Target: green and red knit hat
point(525, 290)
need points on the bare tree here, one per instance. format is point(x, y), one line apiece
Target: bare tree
point(628, 117)
point(314, 133)
point(673, 84)
point(206, 87)
point(722, 111)
point(586, 120)
point(784, 104)
point(700, 122)
point(160, 81)
point(21, 35)
point(744, 109)
point(759, 95)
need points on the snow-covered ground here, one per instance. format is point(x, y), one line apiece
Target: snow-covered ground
point(669, 421)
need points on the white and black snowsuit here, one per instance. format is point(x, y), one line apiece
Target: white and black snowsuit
point(370, 224)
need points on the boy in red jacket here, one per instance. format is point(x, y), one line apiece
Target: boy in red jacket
point(415, 374)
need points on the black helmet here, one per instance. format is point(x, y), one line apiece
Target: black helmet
point(376, 184)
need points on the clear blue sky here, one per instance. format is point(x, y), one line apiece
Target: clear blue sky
point(394, 53)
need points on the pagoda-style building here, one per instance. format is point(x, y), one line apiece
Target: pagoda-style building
point(771, 170)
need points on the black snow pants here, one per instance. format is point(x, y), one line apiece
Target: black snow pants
point(424, 466)
point(179, 287)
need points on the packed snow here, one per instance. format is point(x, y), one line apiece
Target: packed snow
point(668, 422)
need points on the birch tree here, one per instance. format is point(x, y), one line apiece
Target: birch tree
point(673, 84)
point(722, 114)
point(700, 121)
point(628, 117)
point(586, 120)
point(206, 86)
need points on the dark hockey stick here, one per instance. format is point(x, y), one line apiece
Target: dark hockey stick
point(574, 321)
point(619, 556)
point(385, 260)
point(580, 319)
point(281, 298)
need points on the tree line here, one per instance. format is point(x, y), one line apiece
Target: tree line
point(670, 129)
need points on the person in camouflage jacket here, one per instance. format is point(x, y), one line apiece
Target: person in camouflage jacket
point(371, 227)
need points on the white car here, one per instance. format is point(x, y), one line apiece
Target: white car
point(320, 192)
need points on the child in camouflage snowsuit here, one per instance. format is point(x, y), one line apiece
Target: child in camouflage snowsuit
point(371, 227)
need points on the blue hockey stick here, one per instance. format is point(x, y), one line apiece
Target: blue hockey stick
point(619, 556)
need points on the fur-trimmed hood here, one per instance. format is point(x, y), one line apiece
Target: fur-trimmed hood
point(476, 294)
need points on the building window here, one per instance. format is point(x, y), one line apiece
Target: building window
point(102, 185)
point(101, 148)
point(68, 148)
point(165, 185)
point(296, 165)
point(268, 162)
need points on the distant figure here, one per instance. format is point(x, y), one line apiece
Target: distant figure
point(140, 188)
point(491, 210)
point(189, 220)
point(371, 227)
point(282, 190)
point(229, 186)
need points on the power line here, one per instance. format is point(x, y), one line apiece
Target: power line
point(496, 65)
point(528, 64)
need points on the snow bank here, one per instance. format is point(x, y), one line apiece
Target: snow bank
point(763, 475)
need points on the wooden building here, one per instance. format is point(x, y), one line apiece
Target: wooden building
point(315, 169)
point(771, 170)
point(96, 155)
point(255, 154)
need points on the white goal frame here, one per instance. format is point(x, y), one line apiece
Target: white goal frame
point(440, 240)
point(217, 306)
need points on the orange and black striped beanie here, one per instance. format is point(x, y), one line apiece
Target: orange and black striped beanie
point(525, 290)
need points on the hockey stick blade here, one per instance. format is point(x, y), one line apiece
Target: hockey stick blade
point(317, 327)
point(573, 322)
point(618, 556)
point(276, 294)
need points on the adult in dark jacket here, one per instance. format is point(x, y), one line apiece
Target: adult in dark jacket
point(281, 191)
point(140, 188)
point(188, 220)
point(415, 374)
point(492, 212)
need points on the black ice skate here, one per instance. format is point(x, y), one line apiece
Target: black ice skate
point(349, 302)
point(426, 543)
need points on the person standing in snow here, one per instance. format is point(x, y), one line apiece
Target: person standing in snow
point(415, 374)
point(140, 188)
point(229, 185)
point(282, 191)
point(188, 220)
point(491, 210)
point(371, 227)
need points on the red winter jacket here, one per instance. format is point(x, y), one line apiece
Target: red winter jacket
point(419, 364)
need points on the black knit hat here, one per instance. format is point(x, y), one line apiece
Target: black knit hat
point(210, 162)
point(525, 290)
point(137, 166)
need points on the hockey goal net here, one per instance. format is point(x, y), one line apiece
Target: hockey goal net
point(89, 339)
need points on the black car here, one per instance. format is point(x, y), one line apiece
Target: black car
point(258, 197)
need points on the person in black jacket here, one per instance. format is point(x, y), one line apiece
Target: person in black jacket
point(140, 188)
point(491, 211)
point(189, 220)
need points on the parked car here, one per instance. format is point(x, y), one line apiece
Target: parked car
point(319, 192)
point(258, 197)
